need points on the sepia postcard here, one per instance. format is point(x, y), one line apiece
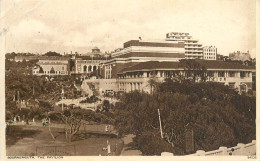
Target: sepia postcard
point(129, 79)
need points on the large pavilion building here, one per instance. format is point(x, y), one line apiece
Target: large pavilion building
point(137, 77)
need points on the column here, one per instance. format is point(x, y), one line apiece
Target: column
point(145, 74)
point(250, 74)
point(163, 74)
point(158, 73)
point(238, 74)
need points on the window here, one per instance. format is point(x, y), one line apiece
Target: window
point(221, 74)
point(210, 74)
point(231, 74)
point(242, 74)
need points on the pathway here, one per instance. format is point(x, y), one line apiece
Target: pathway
point(127, 150)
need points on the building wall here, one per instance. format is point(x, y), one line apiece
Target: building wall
point(87, 66)
point(210, 53)
point(143, 50)
point(102, 85)
point(193, 49)
point(20, 58)
point(61, 69)
point(110, 69)
point(59, 65)
point(136, 81)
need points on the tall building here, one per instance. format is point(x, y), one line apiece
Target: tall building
point(193, 49)
point(136, 51)
point(209, 53)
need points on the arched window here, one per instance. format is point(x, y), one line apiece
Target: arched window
point(85, 68)
point(89, 68)
point(94, 67)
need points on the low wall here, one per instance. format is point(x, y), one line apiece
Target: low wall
point(241, 149)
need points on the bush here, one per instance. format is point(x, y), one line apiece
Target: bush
point(151, 144)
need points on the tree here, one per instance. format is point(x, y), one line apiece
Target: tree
point(105, 106)
point(52, 70)
point(208, 108)
point(52, 53)
point(72, 123)
point(194, 70)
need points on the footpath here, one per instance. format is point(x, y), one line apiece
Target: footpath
point(127, 149)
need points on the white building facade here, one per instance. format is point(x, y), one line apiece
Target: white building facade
point(137, 77)
point(86, 66)
point(52, 66)
point(209, 53)
point(193, 49)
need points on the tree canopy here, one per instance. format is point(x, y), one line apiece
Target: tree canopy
point(52, 53)
point(217, 115)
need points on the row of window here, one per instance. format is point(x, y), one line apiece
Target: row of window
point(209, 57)
point(210, 50)
point(48, 72)
point(175, 73)
point(209, 53)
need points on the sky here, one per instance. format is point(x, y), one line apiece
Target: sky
point(39, 26)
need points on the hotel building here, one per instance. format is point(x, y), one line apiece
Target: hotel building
point(193, 49)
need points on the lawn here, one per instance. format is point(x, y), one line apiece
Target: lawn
point(28, 140)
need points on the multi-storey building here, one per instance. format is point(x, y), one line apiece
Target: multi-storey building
point(140, 61)
point(52, 65)
point(193, 49)
point(136, 51)
point(209, 53)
